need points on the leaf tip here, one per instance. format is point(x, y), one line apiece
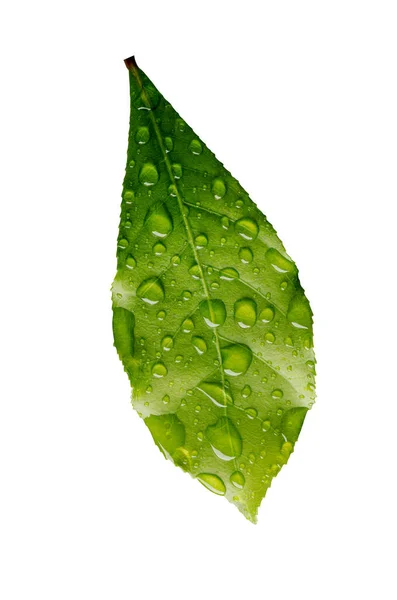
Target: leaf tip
point(130, 63)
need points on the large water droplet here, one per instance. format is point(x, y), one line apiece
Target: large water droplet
point(159, 370)
point(215, 391)
point(279, 262)
point(245, 312)
point(237, 479)
point(159, 221)
point(199, 344)
point(151, 290)
point(245, 255)
point(225, 439)
point(213, 312)
point(247, 228)
point(299, 312)
point(218, 188)
point(213, 483)
point(229, 273)
point(148, 174)
point(168, 432)
point(142, 136)
point(236, 359)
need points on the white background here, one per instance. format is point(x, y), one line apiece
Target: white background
point(299, 100)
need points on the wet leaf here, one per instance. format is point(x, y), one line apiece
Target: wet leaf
point(209, 317)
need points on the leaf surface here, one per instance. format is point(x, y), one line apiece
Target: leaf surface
point(209, 317)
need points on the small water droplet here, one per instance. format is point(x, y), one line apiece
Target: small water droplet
point(167, 343)
point(148, 175)
point(159, 221)
point(195, 271)
point(130, 262)
point(142, 136)
point(201, 241)
point(187, 326)
point(166, 399)
point(251, 412)
point(277, 394)
point(186, 295)
point(246, 391)
point(213, 312)
point(122, 243)
point(159, 369)
point(245, 254)
point(177, 170)
point(151, 291)
point(161, 315)
point(199, 344)
point(247, 228)
point(176, 260)
point(129, 196)
point(279, 262)
point(237, 479)
point(236, 359)
point(131, 164)
point(225, 439)
point(266, 315)
point(195, 147)
point(269, 337)
point(159, 249)
point(266, 425)
point(168, 143)
point(218, 188)
point(213, 483)
point(225, 223)
point(245, 312)
point(229, 273)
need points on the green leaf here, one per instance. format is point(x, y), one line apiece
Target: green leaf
point(209, 318)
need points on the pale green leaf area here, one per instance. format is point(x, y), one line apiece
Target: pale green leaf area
point(209, 317)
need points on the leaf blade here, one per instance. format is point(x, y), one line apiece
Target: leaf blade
point(210, 288)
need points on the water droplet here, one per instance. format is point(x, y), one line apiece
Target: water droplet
point(286, 449)
point(269, 337)
point(199, 344)
point(225, 439)
point(277, 394)
point(299, 312)
point(159, 370)
point(130, 262)
point(167, 343)
point(166, 399)
point(131, 164)
point(161, 315)
point(225, 223)
point(201, 241)
point(172, 190)
point(122, 243)
point(151, 291)
point(247, 228)
point(213, 483)
point(187, 326)
point(237, 479)
point(195, 271)
point(266, 315)
point(148, 175)
point(218, 188)
point(283, 285)
point(245, 313)
point(186, 295)
point(245, 255)
point(251, 412)
point(168, 143)
point(236, 359)
point(142, 136)
point(178, 358)
point(229, 273)
point(176, 260)
point(246, 391)
point(177, 170)
point(195, 147)
point(213, 312)
point(159, 249)
point(159, 221)
point(266, 425)
point(129, 196)
point(279, 262)
point(215, 391)
point(168, 432)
